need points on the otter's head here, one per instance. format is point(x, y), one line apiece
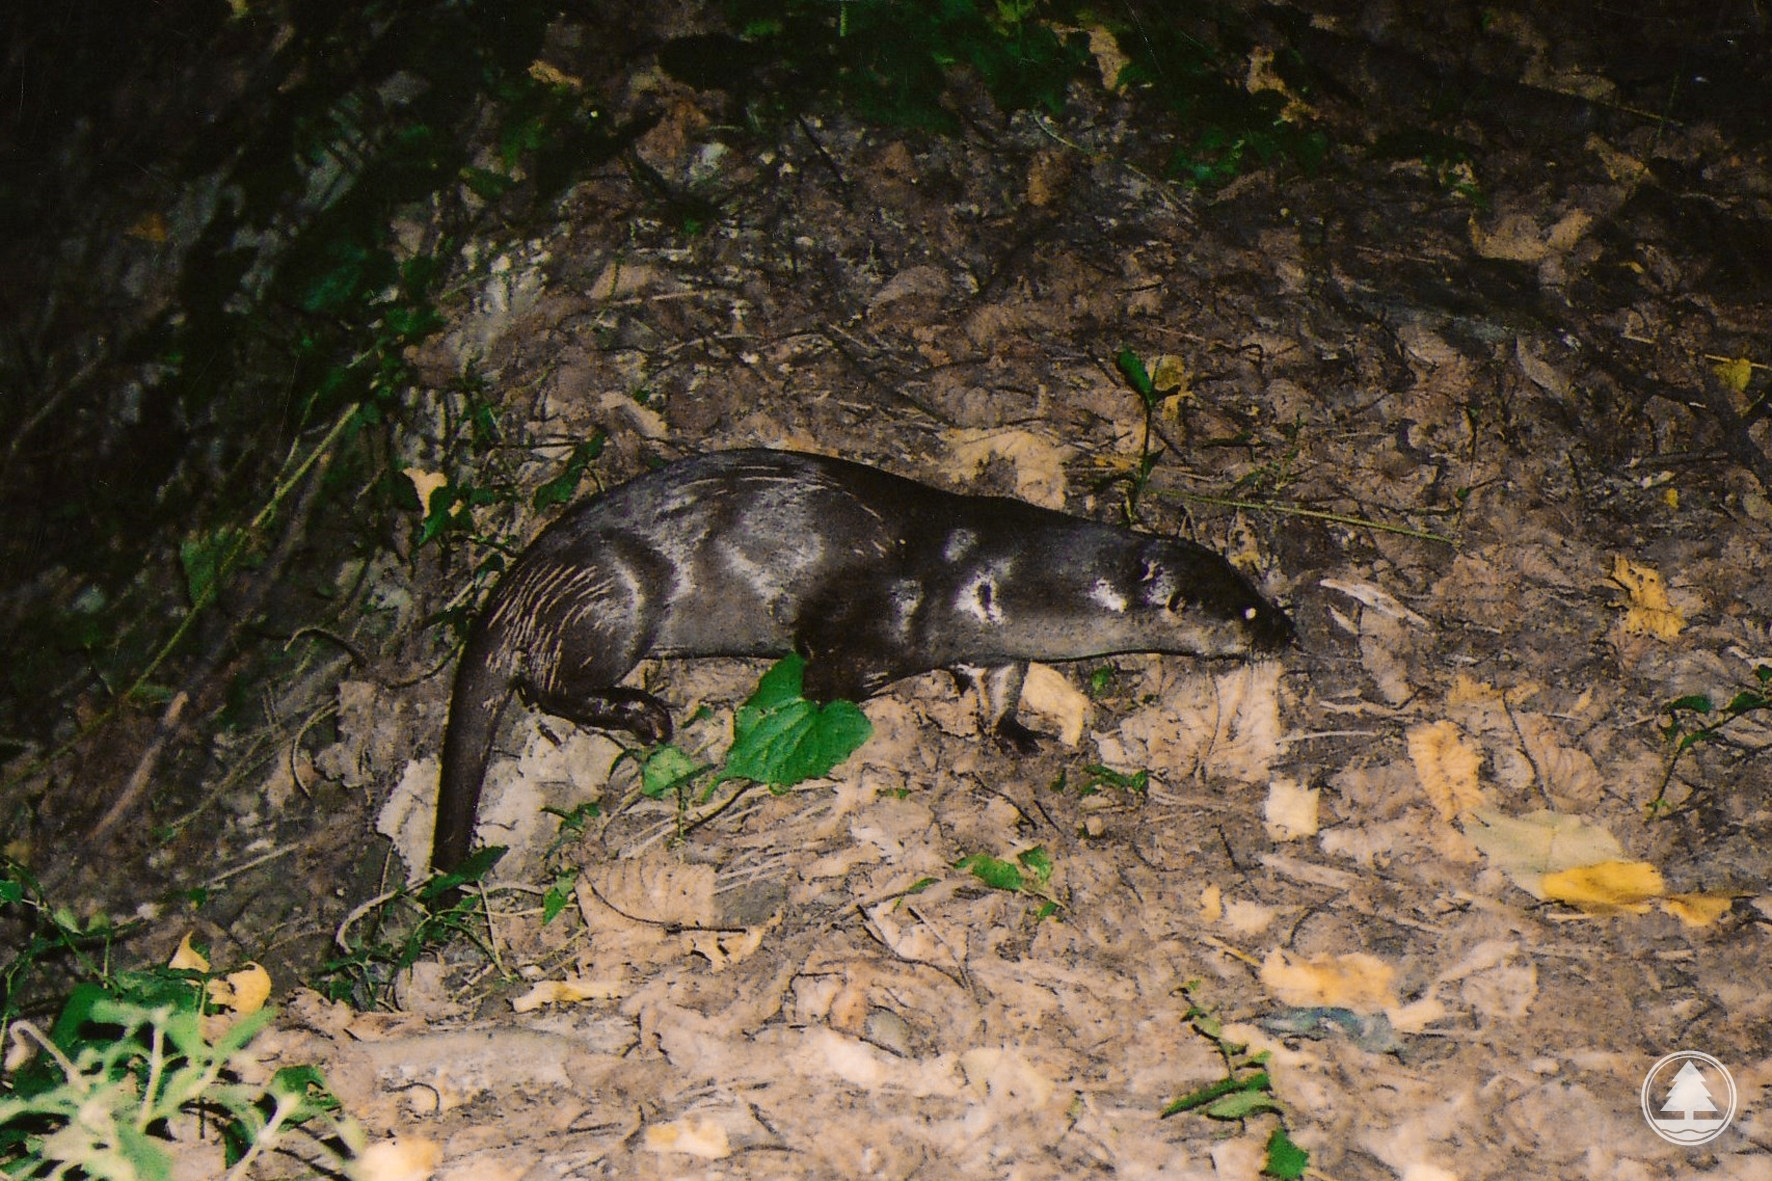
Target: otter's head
point(1204, 605)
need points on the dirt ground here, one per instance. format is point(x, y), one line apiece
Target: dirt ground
point(1462, 423)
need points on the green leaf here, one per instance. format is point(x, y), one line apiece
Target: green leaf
point(1243, 1104)
point(995, 873)
point(1285, 1159)
point(486, 184)
point(1133, 370)
point(554, 901)
point(665, 770)
point(207, 557)
point(1200, 1097)
point(779, 738)
point(1038, 862)
point(564, 486)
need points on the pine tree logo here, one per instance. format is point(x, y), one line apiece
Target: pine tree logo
point(1688, 1098)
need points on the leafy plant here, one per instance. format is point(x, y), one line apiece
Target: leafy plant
point(1246, 1089)
point(1695, 718)
point(779, 739)
point(41, 933)
point(136, 1068)
point(402, 928)
point(1030, 873)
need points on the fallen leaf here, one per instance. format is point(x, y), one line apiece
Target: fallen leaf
point(188, 958)
point(424, 483)
point(407, 1159)
point(1353, 981)
point(570, 991)
point(1609, 887)
point(1051, 695)
point(1698, 910)
point(1038, 462)
point(1291, 812)
point(1648, 610)
point(1447, 767)
point(1526, 848)
point(244, 992)
point(1734, 372)
point(692, 1135)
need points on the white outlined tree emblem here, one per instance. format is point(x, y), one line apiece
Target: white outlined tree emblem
point(1688, 1085)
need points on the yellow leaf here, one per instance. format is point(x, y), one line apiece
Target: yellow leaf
point(1697, 910)
point(1734, 373)
point(152, 227)
point(1353, 981)
point(1648, 609)
point(244, 992)
point(407, 1159)
point(188, 958)
point(1108, 58)
point(570, 991)
point(1526, 848)
point(1447, 767)
point(552, 76)
point(1610, 887)
point(425, 483)
point(1212, 904)
point(1169, 375)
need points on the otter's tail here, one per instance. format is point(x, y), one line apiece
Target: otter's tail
point(482, 687)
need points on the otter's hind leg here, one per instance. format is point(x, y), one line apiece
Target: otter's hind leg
point(575, 629)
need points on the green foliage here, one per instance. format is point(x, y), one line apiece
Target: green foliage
point(130, 1073)
point(779, 738)
point(1030, 873)
point(403, 929)
point(564, 487)
point(1696, 718)
point(889, 59)
point(892, 61)
point(1246, 1089)
point(1137, 782)
point(45, 936)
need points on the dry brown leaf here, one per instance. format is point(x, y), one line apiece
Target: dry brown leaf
point(1039, 462)
point(571, 990)
point(1291, 812)
point(1352, 981)
point(1447, 767)
point(693, 1135)
point(1105, 49)
point(722, 949)
point(659, 889)
point(1050, 694)
point(1648, 610)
